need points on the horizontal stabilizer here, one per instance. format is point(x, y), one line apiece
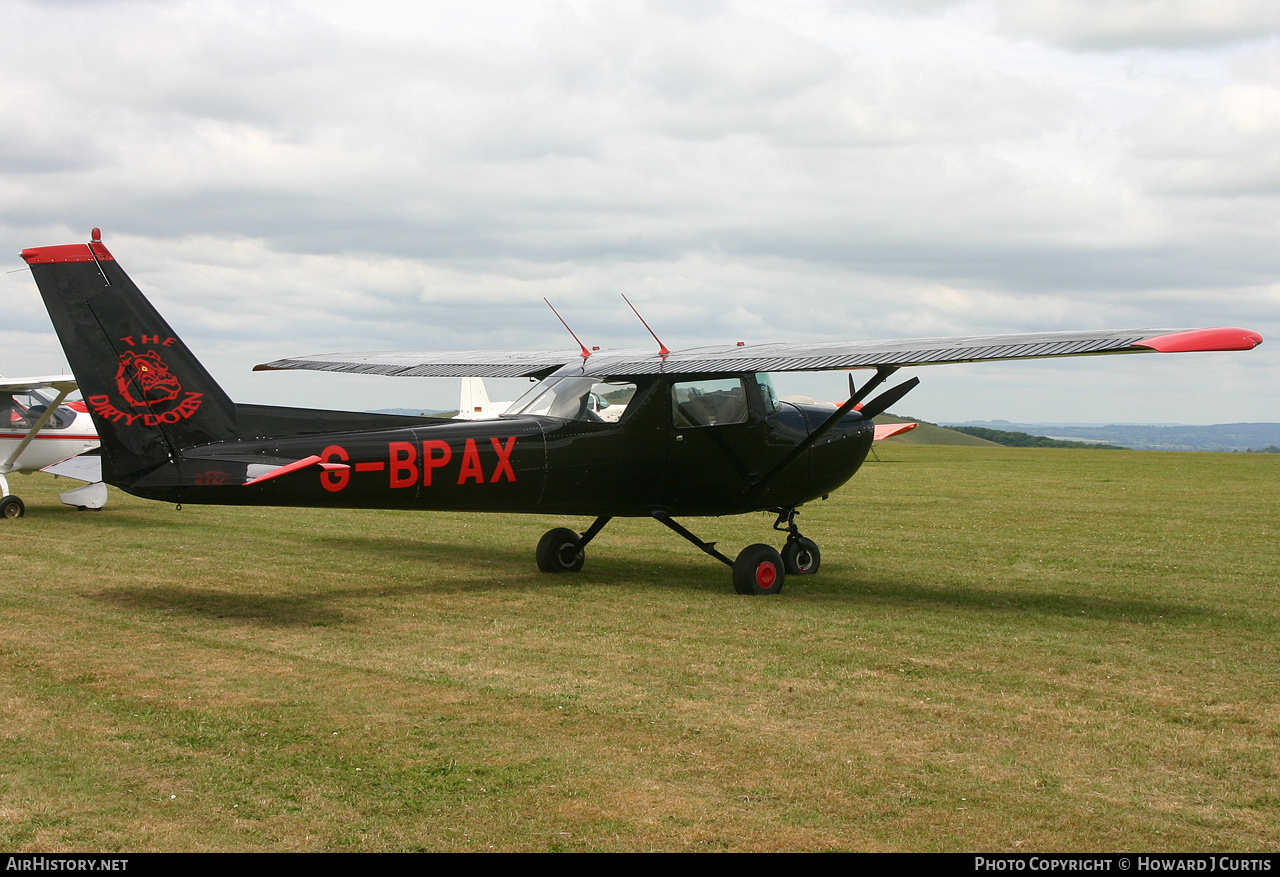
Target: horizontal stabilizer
point(889, 430)
point(82, 467)
point(304, 463)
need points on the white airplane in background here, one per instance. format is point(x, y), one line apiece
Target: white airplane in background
point(39, 430)
point(474, 404)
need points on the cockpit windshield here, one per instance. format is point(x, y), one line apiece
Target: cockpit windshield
point(586, 399)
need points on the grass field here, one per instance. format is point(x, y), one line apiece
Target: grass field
point(1006, 649)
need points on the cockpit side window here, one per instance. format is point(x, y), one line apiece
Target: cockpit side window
point(589, 400)
point(708, 402)
point(23, 410)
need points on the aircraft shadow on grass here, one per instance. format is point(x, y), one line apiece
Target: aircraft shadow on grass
point(307, 607)
point(301, 609)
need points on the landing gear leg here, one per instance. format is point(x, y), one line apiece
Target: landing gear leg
point(757, 570)
point(800, 555)
point(562, 550)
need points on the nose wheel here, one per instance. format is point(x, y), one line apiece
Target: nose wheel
point(801, 556)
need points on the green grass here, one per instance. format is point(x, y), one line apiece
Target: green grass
point(1006, 649)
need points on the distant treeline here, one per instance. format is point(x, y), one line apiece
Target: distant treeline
point(1026, 440)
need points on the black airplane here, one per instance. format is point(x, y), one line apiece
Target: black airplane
point(695, 432)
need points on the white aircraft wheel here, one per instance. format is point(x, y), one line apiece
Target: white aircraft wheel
point(758, 570)
point(558, 552)
point(801, 556)
point(12, 507)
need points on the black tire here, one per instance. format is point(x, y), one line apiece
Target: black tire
point(12, 507)
point(758, 570)
point(557, 551)
point(801, 556)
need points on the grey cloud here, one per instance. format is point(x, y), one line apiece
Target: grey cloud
point(301, 182)
point(1124, 24)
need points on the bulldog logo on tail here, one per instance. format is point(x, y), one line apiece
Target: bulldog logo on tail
point(143, 380)
point(147, 374)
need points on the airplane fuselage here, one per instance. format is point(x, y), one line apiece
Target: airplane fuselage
point(529, 463)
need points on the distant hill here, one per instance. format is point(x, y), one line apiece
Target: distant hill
point(1027, 440)
point(1146, 437)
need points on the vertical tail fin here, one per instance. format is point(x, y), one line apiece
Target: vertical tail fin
point(149, 396)
point(473, 403)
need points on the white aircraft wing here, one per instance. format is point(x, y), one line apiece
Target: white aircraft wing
point(819, 356)
point(52, 382)
point(458, 364)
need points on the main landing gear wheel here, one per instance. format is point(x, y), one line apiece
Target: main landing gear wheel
point(558, 551)
point(12, 507)
point(801, 556)
point(758, 570)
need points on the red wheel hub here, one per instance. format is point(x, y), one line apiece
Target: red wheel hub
point(766, 575)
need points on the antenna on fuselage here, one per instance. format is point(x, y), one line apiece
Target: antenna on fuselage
point(585, 353)
point(662, 348)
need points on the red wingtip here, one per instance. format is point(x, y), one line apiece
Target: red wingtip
point(1222, 338)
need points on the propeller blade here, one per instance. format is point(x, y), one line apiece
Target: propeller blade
point(881, 403)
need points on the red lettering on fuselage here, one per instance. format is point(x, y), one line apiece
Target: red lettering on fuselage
point(471, 464)
point(430, 462)
point(404, 468)
point(504, 459)
point(333, 481)
point(404, 459)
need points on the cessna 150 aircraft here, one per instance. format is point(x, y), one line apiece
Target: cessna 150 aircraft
point(702, 432)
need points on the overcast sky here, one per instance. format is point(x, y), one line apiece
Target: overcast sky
point(295, 178)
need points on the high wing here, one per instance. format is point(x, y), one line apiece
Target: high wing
point(821, 356)
point(60, 383)
point(413, 363)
